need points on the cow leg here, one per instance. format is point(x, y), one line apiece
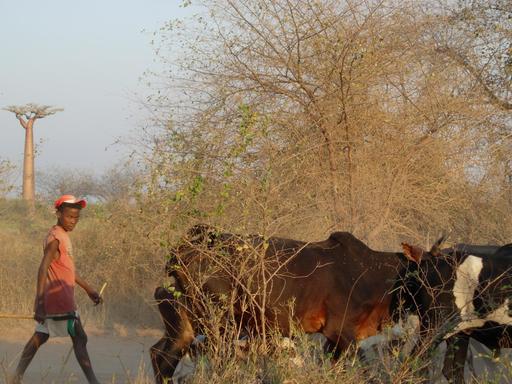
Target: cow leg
point(332, 349)
point(167, 352)
point(336, 344)
point(339, 331)
point(161, 367)
point(455, 358)
point(426, 345)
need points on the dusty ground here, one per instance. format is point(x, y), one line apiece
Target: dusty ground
point(118, 356)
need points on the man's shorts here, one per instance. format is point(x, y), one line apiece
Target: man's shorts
point(59, 325)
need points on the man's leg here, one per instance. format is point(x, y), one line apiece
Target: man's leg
point(37, 339)
point(82, 356)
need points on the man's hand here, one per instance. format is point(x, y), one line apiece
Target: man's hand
point(91, 292)
point(95, 297)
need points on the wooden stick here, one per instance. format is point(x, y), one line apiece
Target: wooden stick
point(103, 288)
point(16, 316)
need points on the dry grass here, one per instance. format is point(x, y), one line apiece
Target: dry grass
point(303, 362)
point(125, 247)
point(109, 247)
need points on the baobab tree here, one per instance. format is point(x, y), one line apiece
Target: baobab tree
point(27, 115)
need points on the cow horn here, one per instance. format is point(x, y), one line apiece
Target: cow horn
point(436, 247)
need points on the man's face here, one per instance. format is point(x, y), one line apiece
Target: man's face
point(68, 218)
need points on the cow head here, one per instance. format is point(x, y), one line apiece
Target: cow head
point(408, 284)
point(417, 254)
point(198, 237)
point(202, 234)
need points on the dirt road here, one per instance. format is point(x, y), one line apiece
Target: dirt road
point(115, 358)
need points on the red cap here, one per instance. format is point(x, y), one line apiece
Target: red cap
point(69, 199)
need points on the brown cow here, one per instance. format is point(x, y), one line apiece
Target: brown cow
point(339, 287)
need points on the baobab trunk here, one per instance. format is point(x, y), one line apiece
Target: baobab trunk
point(28, 164)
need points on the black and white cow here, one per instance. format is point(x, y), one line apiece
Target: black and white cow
point(458, 293)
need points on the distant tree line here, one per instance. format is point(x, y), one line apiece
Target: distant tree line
point(113, 184)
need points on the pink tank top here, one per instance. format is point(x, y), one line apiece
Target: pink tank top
point(59, 293)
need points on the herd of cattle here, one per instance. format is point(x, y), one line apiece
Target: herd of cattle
point(338, 287)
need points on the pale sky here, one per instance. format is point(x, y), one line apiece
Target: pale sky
point(86, 57)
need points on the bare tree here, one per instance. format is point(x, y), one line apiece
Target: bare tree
point(115, 184)
point(477, 36)
point(59, 181)
point(301, 117)
point(27, 115)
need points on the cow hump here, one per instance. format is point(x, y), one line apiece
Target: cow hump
point(346, 238)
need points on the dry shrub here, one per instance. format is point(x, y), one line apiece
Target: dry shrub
point(302, 118)
point(298, 360)
point(21, 251)
point(115, 246)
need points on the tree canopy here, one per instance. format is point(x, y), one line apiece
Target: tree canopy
point(33, 111)
point(301, 117)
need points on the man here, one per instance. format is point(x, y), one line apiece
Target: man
point(55, 308)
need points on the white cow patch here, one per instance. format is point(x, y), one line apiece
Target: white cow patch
point(464, 289)
point(465, 285)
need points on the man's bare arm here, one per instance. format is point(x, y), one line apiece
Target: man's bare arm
point(51, 252)
point(91, 292)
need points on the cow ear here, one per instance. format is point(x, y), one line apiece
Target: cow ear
point(413, 252)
